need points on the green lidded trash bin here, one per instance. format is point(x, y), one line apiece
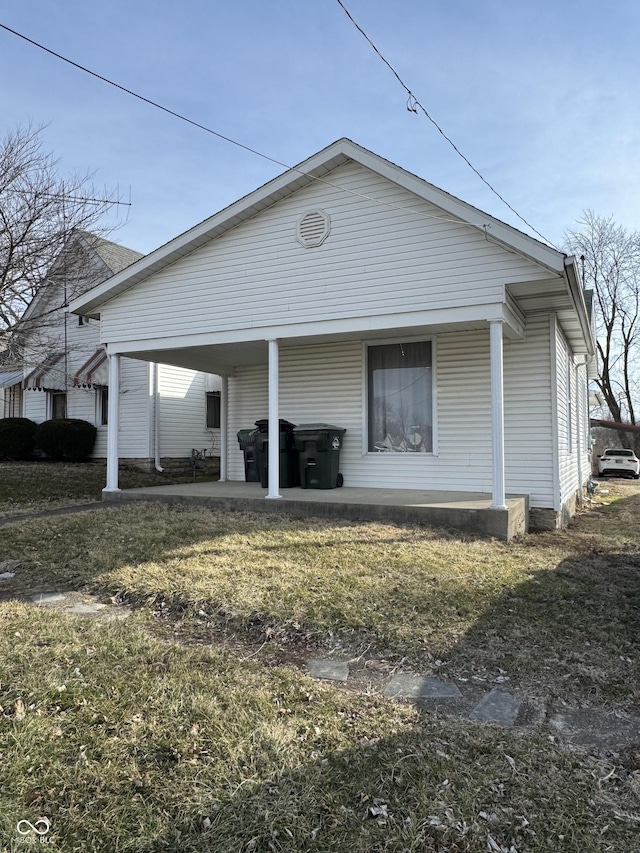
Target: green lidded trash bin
point(288, 455)
point(319, 448)
point(247, 442)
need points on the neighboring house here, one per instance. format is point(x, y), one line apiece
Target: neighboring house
point(163, 409)
point(452, 347)
point(10, 381)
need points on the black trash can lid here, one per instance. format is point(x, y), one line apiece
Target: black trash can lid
point(318, 428)
point(285, 426)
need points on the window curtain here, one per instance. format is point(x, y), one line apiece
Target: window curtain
point(400, 398)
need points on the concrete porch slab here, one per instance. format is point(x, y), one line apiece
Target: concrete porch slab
point(467, 511)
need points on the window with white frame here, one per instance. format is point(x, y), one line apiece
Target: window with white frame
point(58, 405)
point(213, 409)
point(569, 409)
point(586, 426)
point(102, 405)
point(400, 397)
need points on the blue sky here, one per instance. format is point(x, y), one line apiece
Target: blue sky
point(542, 97)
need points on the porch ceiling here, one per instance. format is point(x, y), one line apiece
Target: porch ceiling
point(550, 297)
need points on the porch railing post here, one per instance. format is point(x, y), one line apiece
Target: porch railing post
point(224, 425)
point(497, 413)
point(113, 417)
point(274, 423)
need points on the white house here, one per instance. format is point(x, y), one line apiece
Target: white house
point(165, 411)
point(453, 348)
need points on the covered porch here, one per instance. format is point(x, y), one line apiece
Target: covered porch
point(470, 512)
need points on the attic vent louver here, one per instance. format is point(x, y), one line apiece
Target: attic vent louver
point(313, 228)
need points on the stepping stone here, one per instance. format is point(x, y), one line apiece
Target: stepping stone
point(498, 706)
point(47, 597)
point(86, 609)
point(333, 670)
point(408, 685)
point(590, 727)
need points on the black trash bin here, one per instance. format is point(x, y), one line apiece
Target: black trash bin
point(247, 442)
point(319, 448)
point(288, 454)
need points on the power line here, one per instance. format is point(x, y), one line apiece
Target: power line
point(141, 97)
point(482, 228)
point(413, 103)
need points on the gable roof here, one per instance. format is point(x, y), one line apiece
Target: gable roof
point(112, 257)
point(317, 168)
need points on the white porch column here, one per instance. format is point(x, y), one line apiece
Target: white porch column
point(224, 426)
point(497, 414)
point(274, 423)
point(113, 417)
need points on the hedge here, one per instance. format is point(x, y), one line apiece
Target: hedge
point(68, 439)
point(16, 438)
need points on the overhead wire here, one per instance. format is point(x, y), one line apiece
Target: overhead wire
point(228, 138)
point(483, 228)
point(413, 103)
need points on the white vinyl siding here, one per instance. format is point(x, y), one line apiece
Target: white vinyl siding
point(377, 261)
point(529, 414)
point(248, 402)
point(573, 457)
point(35, 406)
point(134, 434)
point(326, 383)
point(183, 413)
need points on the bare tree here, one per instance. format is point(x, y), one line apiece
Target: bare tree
point(39, 212)
point(610, 256)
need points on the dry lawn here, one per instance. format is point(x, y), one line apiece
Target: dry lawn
point(128, 741)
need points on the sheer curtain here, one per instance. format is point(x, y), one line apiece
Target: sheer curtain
point(400, 397)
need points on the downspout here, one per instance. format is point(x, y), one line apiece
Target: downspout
point(156, 419)
point(587, 361)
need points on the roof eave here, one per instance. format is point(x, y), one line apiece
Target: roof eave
point(577, 297)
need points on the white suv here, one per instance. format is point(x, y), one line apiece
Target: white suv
point(620, 462)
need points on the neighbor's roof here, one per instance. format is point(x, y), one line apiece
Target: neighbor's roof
point(10, 377)
point(115, 256)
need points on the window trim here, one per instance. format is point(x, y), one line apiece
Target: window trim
point(410, 339)
point(51, 405)
point(213, 395)
point(570, 408)
point(102, 405)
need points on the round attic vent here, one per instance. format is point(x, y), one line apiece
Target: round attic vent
point(313, 228)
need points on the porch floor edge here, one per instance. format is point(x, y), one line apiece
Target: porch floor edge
point(469, 512)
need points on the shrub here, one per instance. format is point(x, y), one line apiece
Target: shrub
point(70, 439)
point(16, 438)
